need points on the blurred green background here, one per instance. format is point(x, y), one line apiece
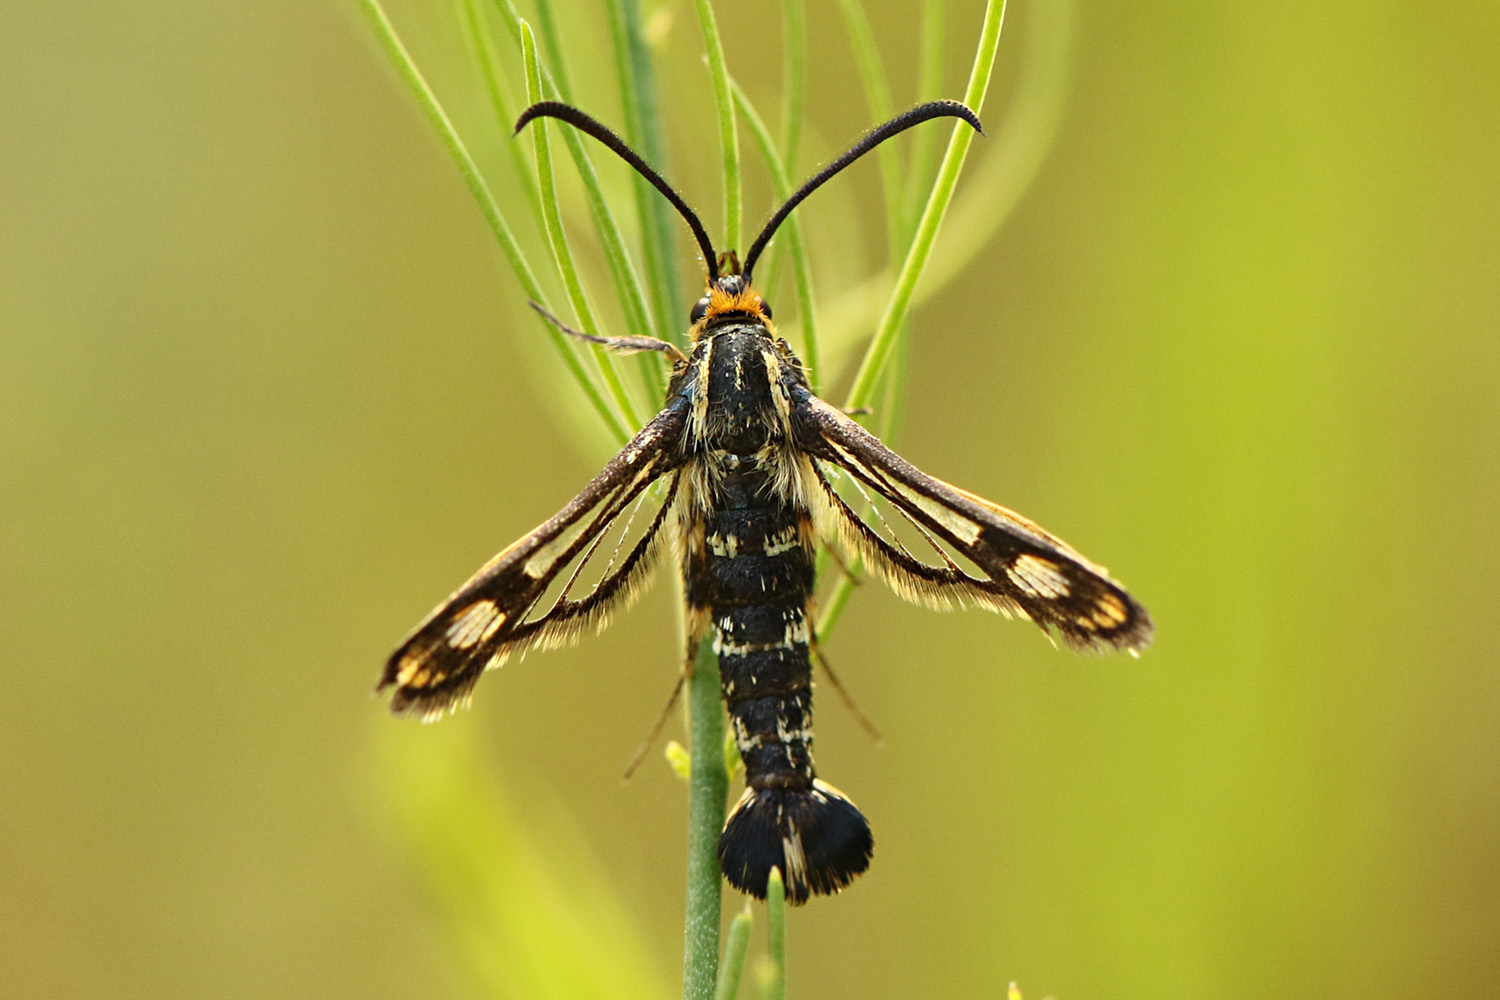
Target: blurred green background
point(268, 392)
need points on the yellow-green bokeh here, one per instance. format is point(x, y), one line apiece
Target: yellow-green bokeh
point(267, 392)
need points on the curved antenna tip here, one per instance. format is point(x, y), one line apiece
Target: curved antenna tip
point(593, 127)
point(539, 110)
point(952, 109)
point(895, 126)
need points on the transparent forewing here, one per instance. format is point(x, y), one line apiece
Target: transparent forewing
point(1009, 564)
point(551, 584)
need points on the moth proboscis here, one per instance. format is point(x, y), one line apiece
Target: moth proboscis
point(747, 462)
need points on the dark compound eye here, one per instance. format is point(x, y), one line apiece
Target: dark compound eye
point(765, 308)
point(699, 311)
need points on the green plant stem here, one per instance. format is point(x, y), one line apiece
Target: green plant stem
point(797, 250)
point(919, 170)
point(776, 934)
point(838, 598)
point(1021, 143)
point(887, 417)
point(736, 943)
point(899, 306)
point(467, 169)
point(505, 112)
point(898, 225)
point(708, 788)
point(628, 289)
point(729, 141)
point(929, 87)
point(557, 237)
point(793, 76)
point(878, 96)
point(552, 42)
point(644, 131)
point(1018, 148)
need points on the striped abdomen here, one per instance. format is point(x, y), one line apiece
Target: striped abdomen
point(754, 577)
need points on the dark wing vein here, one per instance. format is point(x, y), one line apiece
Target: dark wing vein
point(567, 619)
point(1025, 570)
point(488, 618)
point(941, 587)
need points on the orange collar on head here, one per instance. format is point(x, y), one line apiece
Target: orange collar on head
point(742, 300)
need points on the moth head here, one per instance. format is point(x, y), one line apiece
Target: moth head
point(729, 290)
point(730, 294)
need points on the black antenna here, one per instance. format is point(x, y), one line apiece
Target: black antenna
point(582, 122)
point(871, 139)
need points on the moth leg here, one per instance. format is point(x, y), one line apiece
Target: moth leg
point(838, 560)
point(833, 678)
point(661, 720)
point(651, 737)
point(620, 345)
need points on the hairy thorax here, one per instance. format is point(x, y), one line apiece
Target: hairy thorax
point(740, 422)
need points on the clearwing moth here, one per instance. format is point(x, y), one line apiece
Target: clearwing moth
point(747, 459)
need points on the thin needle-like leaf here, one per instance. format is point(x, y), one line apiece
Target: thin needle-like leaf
point(729, 141)
point(467, 168)
point(1020, 145)
point(505, 114)
point(801, 267)
point(898, 229)
point(878, 353)
point(562, 255)
point(878, 96)
point(736, 943)
point(793, 76)
point(643, 130)
point(899, 306)
point(552, 42)
point(776, 935)
point(929, 87)
point(1021, 142)
point(628, 289)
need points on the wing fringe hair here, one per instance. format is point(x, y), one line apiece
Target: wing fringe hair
point(488, 619)
point(1027, 572)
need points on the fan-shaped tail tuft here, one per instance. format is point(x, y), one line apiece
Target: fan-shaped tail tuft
point(817, 837)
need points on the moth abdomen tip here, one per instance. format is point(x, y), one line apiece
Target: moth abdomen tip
point(817, 838)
